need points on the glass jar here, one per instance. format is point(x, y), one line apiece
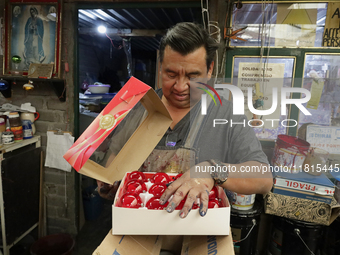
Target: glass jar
point(16, 127)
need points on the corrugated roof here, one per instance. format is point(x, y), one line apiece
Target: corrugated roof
point(141, 19)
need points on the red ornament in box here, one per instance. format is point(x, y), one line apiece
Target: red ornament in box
point(213, 203)
point(153, 204)
point(160, 178)
point(213, 193)
point(129, 200)
point(136, 175)
point(157, 189)
point(135, 186)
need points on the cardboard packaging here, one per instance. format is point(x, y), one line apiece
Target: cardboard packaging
point(303, 185)
point(301, 209)
point(159, 222)
point(335, 178)
point(127, 245)
point(139, 145)
point(201, 245)
point(151, 245)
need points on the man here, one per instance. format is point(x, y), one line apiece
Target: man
point(186, 53)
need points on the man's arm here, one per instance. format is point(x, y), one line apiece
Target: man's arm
point(239, 180)
point(250, 177)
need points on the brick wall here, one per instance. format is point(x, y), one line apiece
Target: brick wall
point(59, 186)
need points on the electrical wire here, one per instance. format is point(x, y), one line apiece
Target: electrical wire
point(217, 33)
point(119, 47)
point(205, 10)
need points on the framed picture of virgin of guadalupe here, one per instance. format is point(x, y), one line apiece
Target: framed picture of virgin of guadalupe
point(33, 35)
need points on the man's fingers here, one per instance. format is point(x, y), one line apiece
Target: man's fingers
point(112, 193)
point(104, 189)
point(179, 192)
point(204, 203)
point(169, 191)
point(107, 191)
point(191, 199)
point(178, 196)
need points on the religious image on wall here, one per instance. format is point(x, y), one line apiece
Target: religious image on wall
point(33, 35)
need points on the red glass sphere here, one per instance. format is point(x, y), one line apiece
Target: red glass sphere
point(136, 175)
point(213, 203)
point(213, 193)
point(129, 200)
point(135, 186)
point(157, 189)
point(160, 178)
point(154, 204)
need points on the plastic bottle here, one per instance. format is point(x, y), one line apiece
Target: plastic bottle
point(7, 136)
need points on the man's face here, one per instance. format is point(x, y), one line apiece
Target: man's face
point(176, 72)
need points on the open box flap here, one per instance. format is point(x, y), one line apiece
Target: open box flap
point(126, 245)
point(136, 149)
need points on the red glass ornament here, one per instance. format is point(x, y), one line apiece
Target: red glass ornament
point(129, 200)
point(154, 204)
point(136, 175)
point(157, 189)
point(213, 203)
point(135, 186)
point(160, 178)
point(213, 193)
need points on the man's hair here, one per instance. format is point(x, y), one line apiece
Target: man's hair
point(185, 38)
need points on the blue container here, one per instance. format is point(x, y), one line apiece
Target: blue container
point(93, 203)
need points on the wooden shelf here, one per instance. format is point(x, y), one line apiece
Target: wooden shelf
point(57, 84)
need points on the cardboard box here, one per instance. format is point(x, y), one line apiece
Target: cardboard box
point(200, 245)
point(127, 245)
point(301, 209)
point(159, 222)
point(335, 178)
point(303, 185)
point(151, 245)
point(139, 145)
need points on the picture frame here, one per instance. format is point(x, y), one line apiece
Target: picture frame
point(33, 35)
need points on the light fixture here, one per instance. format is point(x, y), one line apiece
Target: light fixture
point(101, 29)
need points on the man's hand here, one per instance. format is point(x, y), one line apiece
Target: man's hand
point(193, 188)
point(107, 191)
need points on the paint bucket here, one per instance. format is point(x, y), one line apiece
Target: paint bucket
point(290, 153)
point(332, 239)
point(244, 227)
point(242, 202)
point(293, 237)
